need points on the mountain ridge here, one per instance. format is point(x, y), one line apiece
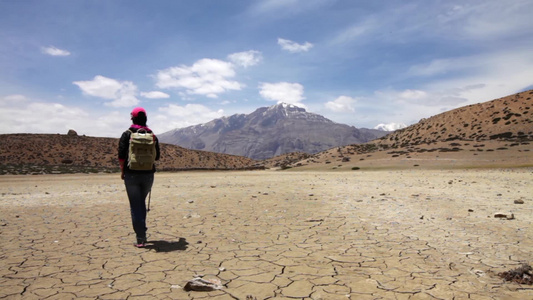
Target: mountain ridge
point(492, 134)
point(268, 132)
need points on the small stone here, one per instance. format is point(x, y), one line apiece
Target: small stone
point(470, 210)
point(501, 215)
point(190, 201)
point(519, 201)
point(200, 284)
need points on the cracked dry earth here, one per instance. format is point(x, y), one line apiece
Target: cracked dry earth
point(269, 235)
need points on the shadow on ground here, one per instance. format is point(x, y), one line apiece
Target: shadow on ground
point(165, 246)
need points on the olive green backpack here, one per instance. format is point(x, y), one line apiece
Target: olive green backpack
point(142, 153)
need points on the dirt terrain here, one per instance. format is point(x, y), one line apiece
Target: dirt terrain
point(404, 234)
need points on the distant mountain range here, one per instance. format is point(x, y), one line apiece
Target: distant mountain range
point(269, 132)
point(497, 133)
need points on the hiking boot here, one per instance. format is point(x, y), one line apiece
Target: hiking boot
point(141, 242)
point(139, 245)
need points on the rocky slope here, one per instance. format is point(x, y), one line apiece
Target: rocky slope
point(508, 118)
point(497, 133)
point(269, 132)
point(55, 153)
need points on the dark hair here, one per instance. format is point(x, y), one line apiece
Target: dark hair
point(140, 119)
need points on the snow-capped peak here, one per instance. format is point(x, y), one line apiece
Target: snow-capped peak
point(390, 126)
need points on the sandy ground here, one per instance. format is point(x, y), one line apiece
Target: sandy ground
point(417, 234)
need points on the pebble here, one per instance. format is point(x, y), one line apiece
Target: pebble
point(519, 201)
point(501, 215)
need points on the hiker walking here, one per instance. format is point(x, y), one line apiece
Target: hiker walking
point(138, 149)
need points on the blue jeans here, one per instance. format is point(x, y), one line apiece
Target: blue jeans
point(138, 185)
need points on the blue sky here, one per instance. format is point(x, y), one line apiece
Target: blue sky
point(84, 65)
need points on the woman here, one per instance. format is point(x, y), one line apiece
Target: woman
point(138, 182)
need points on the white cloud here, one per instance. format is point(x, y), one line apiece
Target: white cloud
point(271, 5)
point(286, 92)
point(410, 105)
point(23, 115)
point(283, 8)
point(390, 126)
point(208, 77)
point(341, 104)
point(294, 47)
point(413, 95)
point(246, 59)
point(471, 22)
point(483, 77)
point(123, 93)
point(13, 99)
point(488, 20)
point(434, 67)
point(354, 32)
point(155, 95)
point(53, 51)
point(175, 116)
point(446, 98)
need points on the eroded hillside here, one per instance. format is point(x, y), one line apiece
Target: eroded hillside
point(496, 133)
point(56, 153)
point(508, 118)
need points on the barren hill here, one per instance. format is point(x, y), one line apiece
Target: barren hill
point(508, 118)
point(55, 153)
point(496, 133)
